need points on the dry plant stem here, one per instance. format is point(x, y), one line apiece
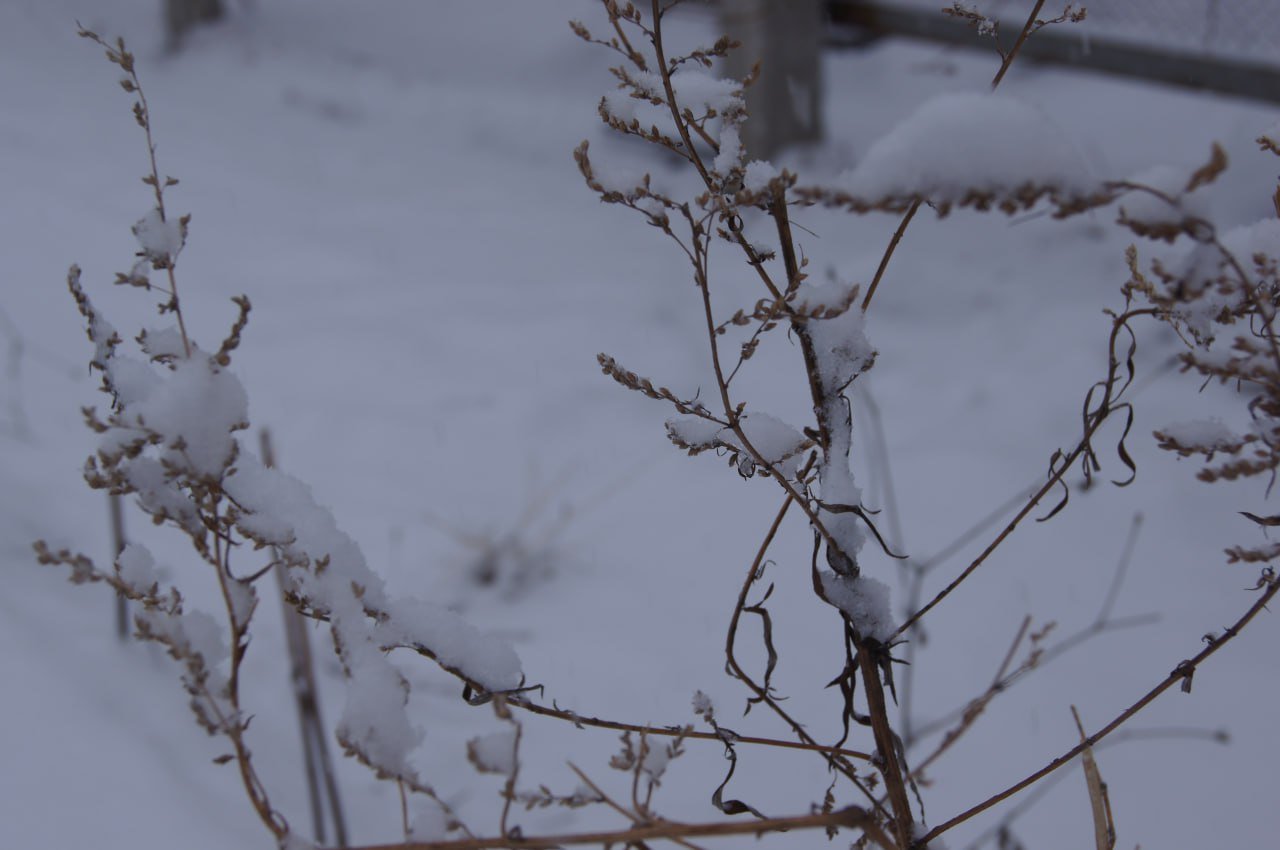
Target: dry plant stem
point(1182, 673)
point(1042, 788)
point(1050, 654)
point(1027, 29)
point(699, 258)
point(1003, 680)
point(632, 816)
point(239, 644)
point(509, 787)
point(317, 763)
point(1096, 420)
point(833, 755)
point(920, 570)
point(158, 186)
point(891, 767)
point(665, 71)
point(888, 252)
point(609, 801)
point(404, 809)
point(142, 113)
point(1104, 830)
point(973, 710)
point(823, 405)
point(886, 740)
point(852, 818)
point(116, 504)
point(1251, 291)
point(674, 732)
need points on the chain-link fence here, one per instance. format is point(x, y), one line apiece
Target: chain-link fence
point(1231, 46)
point(1238, 30)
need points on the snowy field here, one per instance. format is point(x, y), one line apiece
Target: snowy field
point(391, 183)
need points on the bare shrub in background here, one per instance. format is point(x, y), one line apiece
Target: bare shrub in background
point(170, 442)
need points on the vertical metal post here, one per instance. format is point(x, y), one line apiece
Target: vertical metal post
point(785, 37)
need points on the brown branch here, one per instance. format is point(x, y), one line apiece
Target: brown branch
point(1181, 674)
point(974, 709)
point(760, 692)
point(852, 818)
point(1095, 420)
point(888, 252)
point(673, 731)
point(891, 767)
point(635, 817)
point(665, 72)
point(700, 258)
point(1027, 28)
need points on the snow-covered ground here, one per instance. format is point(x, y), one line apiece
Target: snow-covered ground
point(391, 184)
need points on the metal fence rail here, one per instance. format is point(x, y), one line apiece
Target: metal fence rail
point(1230, 29)
point(1232, 46)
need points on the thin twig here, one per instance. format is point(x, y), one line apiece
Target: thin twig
point(888, 252)
point(634, 817)
point(851, 818)
point(676, 731)
point(760, 691)
point(1027, 28)
point(1181, 674)
point(1096, 418)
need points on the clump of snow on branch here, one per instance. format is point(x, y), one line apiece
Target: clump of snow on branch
point(1201, 435)
point(137, 567)
point(1169, 203)
point(493, 753)
point(430, 822)
point(732, 151)
point(293, 841)
point(197, 640)
point(171, 441)
point(778, 443)
point(757, 176)
point(657, 756)
point(841, 346)
point(695, 89)
point(279, 510)
point(160, 240)
point(775, 442)
point(864, 600)
point(957, 144)
point(1204, 282)
point(191, 411)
